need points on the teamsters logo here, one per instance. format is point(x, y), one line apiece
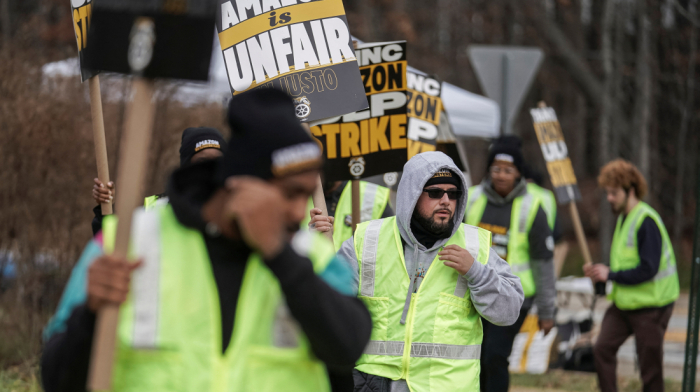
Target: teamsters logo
point(302, 107)
point(143, 37)
point(357, 166)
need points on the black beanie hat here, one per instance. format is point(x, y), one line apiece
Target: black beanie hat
point(267, 139)
point(507, 148)
point(195, 140)
point(444, 176)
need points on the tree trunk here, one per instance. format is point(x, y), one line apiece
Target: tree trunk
point(606, 120)
point(686, 119)
point(6, 20)
point(643, 100)
point(444, 29)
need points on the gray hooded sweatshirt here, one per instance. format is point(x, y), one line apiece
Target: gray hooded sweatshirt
point(495, 292)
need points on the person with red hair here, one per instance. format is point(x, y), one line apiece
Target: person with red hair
point(644, 279)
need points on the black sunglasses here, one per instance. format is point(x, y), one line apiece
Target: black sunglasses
point(452, 194)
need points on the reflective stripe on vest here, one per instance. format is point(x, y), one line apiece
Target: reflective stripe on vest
point(474, 196)
point(524, 212)
point(424, 350)
point(146, 280)
point(369, 257)
point(368, 202)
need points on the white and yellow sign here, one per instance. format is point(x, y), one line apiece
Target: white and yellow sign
point(556, 154)
point(302, 47)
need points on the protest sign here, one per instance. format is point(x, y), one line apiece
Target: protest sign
point(555, 154)
point(424, 111)
point(81, 10)
point(302, 47)
point(372, 141)
point(147, 39)
point(176, 45)
point(82, 19)
point(561, 172)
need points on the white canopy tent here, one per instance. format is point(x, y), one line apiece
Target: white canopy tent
point(470, 115)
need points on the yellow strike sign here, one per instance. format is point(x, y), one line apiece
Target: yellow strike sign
point(365, 137)
point(554, 148)
point(81, 24)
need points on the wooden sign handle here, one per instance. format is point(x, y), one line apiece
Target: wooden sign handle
point(355, 204)
point(132, 172)
point(318, 198)
point(98, 132)
point(580, 235)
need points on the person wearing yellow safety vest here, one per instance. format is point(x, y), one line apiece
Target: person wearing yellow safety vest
point(522, 236)
point(428, 280)
point(374, 204)
point(644, 280)
point(198, 145)
point(548, 201)
point(227, 294)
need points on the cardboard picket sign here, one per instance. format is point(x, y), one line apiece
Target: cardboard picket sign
point(81, 10)
point(302, 47)
point(556, 154)
point(179, 43)
point(372, 141)
point(148, 39)
point(561, 171)
point(428, 126)
point(424, 112)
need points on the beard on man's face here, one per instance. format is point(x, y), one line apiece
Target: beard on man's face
point(619, 208)
point(434, 226)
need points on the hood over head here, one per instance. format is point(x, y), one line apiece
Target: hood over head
point(416, 173)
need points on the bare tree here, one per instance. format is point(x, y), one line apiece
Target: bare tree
point(606, 120)
point(643, 101)
point(6, 20)
point(686, 119)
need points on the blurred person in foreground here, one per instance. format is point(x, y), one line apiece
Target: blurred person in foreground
point(503, 205)
point(644, 280)
point(197, 145)
point(374, 204)
point(226, 295)
point(427, 280)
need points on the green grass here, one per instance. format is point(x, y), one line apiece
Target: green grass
point(19, 379)
point(579, 382)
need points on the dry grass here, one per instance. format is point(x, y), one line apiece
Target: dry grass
point(559, 380)
point(46, 169)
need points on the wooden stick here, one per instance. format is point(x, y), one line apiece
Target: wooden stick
point(98, 133)
point(132, 170)
point(318, 198)
point(355, 204)
point(580, 235)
